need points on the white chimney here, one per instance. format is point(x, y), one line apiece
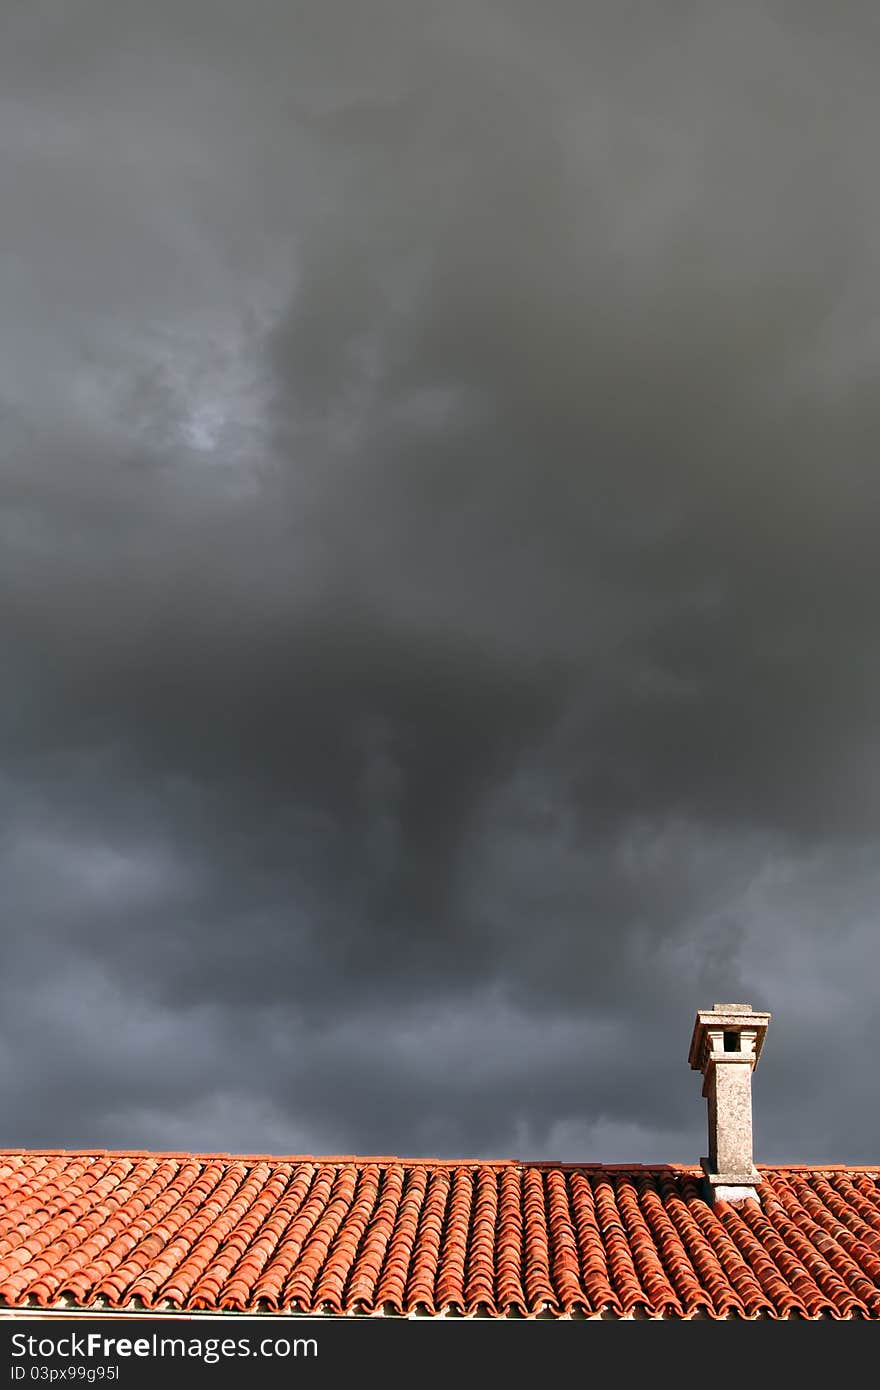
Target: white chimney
point(725, 1047)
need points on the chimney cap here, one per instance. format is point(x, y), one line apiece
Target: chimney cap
point(723, 1018)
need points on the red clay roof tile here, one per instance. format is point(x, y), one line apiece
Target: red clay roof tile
point(215, 1231)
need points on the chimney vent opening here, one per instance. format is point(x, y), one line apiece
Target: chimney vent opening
point(731, 1042)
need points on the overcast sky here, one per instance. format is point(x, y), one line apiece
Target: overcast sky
point(438, 572)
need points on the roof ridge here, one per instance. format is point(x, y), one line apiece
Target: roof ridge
point(410, 1161)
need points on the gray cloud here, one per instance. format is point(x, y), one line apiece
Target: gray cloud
point(436, 573)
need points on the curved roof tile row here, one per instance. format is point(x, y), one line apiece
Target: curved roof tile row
point(390, 1236)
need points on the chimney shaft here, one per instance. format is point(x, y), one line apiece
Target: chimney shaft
point(725, 1047)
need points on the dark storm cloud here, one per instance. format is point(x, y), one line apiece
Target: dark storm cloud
point(437, 573)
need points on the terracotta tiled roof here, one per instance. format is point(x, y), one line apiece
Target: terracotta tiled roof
point(386, 1235)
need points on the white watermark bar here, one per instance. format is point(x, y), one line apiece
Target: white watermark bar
point(194, 1351)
